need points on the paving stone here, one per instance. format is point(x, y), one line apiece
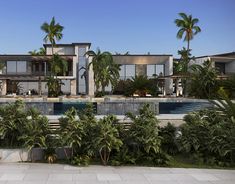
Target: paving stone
point(129, 182)
point(132, 177)
point(182, 177)
point(26, 182)
point(9, 177)
point(92, 182)
point(36, 173)
point(90, 177)
point(61, 182)
point(36, 177)
point(159, 177)
point(204, 177)
point(225, 176)
point(108, 177)
point(60, 177)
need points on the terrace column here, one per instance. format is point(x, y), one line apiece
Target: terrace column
point(90, 81)
point(4, 87)
point(169, 72)
point(73, 87)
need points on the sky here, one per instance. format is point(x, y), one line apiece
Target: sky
point(136, 26)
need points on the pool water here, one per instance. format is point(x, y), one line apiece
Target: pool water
point(182, 107)
point(61, 107)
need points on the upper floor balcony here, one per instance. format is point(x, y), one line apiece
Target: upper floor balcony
point(27, 65)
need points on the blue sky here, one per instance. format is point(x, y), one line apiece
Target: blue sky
point(137, 26)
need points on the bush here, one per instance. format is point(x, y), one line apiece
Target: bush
point(22, 128)
point(209, 135)
point(169, 139)
point(140, 85)
point(142, 143)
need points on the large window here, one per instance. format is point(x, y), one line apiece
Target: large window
point(130, 71)
point(14, 67)
point(160, 70)
point(153, 70)
point(82, 72)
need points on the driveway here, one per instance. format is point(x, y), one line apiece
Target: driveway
point(27, 173)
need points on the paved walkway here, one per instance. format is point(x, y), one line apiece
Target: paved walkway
point(27, 173)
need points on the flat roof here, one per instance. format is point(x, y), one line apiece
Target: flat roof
point(142, 55)
point(68, 44)
point(20, 57)
point(221, 55)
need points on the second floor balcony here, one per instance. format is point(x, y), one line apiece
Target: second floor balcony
point(31, 66)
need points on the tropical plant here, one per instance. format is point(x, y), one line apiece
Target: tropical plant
point(13, 118)
point(106, 71)
point(71, 131)
point(53, 32)
point(41, 52)
point(143, 140)
point(58, 65)
point(168, 134)
point(188, 27)
point(36, 131)
point(107, 138)
point(203, 80)
point(209, 135)
point(50, 155)
point(140, 85)
point(54, 86)
point(229, 85)
point(181, 68)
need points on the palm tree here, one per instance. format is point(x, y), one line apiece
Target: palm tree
point(188, 27)
point(105, 70)
point(40, 52)
point(53, 32)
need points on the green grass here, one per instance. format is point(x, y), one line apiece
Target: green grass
point(181, 161)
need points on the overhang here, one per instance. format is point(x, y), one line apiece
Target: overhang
point(141, 59)
point(33, 58)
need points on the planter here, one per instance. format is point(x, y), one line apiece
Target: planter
point(37, 154)
point(14, 155)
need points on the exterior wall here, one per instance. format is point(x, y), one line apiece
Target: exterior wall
point(230, 67)
point(140, 59)
point(169, 72)
point(61, 50)
point(199, 61)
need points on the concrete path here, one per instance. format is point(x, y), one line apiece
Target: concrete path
point(27, 173)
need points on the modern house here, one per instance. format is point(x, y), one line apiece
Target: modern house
point(24, 73)
point(225, 63)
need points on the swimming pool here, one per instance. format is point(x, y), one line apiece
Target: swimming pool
point(61, 107)
point(182, 107)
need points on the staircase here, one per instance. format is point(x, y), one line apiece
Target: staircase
point(54, 124)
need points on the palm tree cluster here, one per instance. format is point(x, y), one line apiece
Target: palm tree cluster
point(106, 71)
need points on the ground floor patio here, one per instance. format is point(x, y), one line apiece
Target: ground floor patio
point(27, 173)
